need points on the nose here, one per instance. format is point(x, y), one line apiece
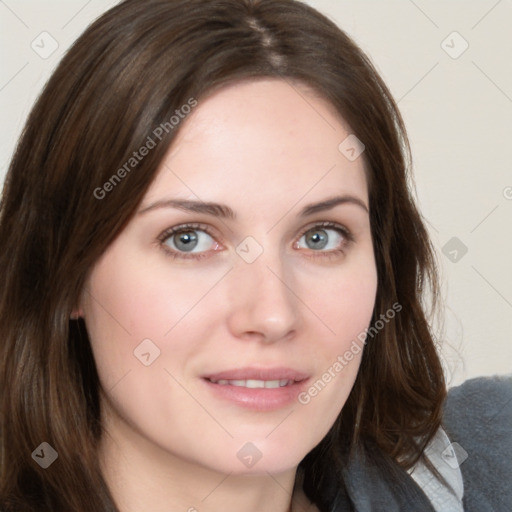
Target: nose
point(263, 302)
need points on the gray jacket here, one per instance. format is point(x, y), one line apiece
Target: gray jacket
point(475, 458)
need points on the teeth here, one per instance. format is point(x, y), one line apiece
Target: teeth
point(252, 384)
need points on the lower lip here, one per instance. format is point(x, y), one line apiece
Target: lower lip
point(259, 399)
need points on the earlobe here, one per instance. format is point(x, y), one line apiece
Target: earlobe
point(78, 311)
point(76, 314)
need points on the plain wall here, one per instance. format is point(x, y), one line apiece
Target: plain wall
point(457, 106)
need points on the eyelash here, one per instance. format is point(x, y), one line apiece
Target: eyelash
point(179, 229)
point(347, 235)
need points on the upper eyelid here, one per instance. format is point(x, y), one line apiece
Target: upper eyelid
point(183, 227)
point(346, 232)
point(326, 224)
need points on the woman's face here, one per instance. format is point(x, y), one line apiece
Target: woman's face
point(217, 343)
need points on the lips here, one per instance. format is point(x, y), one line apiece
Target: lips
point(260, 389)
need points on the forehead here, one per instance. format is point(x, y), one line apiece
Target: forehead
point(261, 139)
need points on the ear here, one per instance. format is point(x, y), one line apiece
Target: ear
point(78, 311)
point(76, 314)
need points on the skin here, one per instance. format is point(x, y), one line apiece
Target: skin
point(266, 150)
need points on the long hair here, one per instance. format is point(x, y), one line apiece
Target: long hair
point(127, 75)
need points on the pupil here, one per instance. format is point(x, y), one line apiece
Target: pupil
point(318, 239)
point(186, 241)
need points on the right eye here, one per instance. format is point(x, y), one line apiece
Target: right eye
point(188, 241)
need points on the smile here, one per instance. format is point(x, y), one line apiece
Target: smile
point(253, 384)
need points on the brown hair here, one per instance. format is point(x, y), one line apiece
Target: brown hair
point(126, 75)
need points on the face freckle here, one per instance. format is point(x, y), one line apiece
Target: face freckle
point(244, 288)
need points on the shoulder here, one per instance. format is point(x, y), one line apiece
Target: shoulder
point(478, 421)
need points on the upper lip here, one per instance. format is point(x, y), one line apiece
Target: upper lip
point(253, 373)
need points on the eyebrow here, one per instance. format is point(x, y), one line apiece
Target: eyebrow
point(225, 212)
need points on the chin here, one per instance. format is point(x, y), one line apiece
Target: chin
point(263, 456)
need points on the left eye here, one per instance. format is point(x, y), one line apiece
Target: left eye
point(322, 238)
point(189, 240)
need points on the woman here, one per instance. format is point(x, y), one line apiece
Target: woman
point(214, 273)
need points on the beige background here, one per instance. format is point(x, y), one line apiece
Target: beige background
point(457, 106)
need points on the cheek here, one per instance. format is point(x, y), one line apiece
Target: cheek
point(344, 303)
point(345, 308)
point(139, 300)
point(130, 302)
